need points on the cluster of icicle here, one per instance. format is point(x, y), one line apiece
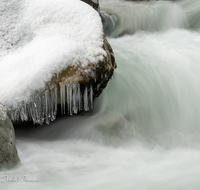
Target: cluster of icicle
point(43, 107)
point(2, 112)
point(72, 101)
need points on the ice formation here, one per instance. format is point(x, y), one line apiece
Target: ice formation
point(76, 101)
point(2, 112)
point(41, 38)
point(42, 107)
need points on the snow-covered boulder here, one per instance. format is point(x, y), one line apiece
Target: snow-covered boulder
point(8, 151)
point(51, 52)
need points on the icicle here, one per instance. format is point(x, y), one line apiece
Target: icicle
point(52, 99)
point(70, 100)
point(28, 110)
point(63, 91)
point(39, 109)
point(10, 114)
point(2, 112)
point(56, 100)
point(23, 112)
point(75, 98)
point(91, 97)
point(16, 115)
point(79, 98)
point(32, 113)
point(42, 107)
point(62, 97)
point(35, 109)
point(86, 108)
point(47, 109)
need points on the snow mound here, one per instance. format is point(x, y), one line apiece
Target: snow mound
point(41, 38)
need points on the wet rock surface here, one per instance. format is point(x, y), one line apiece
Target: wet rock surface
point(8, 152)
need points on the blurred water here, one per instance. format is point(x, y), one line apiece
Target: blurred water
point(144, 132)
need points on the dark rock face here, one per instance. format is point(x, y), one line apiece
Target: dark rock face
point(109, 22)
point(136, 0)
point(8, 152)
point(93, 3)
point(105, 70)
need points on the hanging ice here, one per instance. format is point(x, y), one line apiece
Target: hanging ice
point(42, 107)
point(2, 112)
point(72, 98)
point(86, 107)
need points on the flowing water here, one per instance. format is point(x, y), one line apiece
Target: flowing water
point(144, 132)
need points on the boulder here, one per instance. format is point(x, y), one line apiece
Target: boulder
point(72, 90)
point(8, 152)
point(89, 81)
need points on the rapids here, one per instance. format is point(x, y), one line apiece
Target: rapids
point(144, 131)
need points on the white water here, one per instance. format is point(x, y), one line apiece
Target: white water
point(144, 132)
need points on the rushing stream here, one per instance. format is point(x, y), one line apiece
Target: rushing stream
point(144, 132)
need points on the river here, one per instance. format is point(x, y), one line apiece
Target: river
point(144, 132)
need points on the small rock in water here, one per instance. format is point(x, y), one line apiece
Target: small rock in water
point(8, 152)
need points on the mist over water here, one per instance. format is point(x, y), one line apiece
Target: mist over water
point(144, 132)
